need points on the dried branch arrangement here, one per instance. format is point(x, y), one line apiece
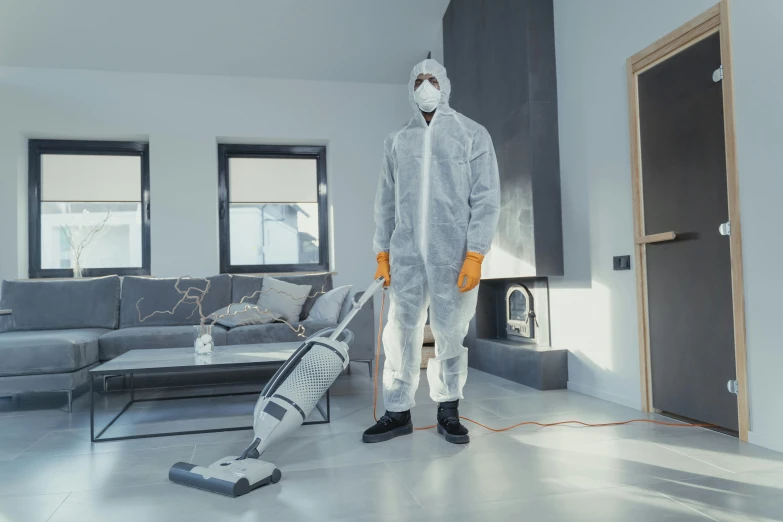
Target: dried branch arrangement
point(78, 248)
point(194, 296)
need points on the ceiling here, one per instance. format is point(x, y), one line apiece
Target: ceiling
point(375, 41)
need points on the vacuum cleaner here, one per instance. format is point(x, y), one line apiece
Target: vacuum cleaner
point(284, 404)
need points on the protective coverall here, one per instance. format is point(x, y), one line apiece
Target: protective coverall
point(438, 198)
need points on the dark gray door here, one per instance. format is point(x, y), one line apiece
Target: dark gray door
point(689, 279)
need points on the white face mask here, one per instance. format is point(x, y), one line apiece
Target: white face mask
point(427, 96)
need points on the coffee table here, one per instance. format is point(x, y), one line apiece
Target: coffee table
point(184, 360)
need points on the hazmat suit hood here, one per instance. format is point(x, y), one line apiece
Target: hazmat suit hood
point(433, 67)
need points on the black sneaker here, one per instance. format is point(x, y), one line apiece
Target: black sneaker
point(449, 425)
point(391, 425)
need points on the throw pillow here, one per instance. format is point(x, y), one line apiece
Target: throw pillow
point(284, 298)
point(243, 314)
point(328, 306)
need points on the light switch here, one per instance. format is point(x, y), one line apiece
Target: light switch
point(622, 262)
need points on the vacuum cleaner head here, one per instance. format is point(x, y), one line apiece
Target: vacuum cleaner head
point(229, 476)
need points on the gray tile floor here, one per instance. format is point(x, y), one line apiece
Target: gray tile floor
point(49, 470)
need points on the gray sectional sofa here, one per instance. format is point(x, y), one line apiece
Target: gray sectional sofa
point(59, 329)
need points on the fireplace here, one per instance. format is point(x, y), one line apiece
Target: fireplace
point(514, 310)
point(520, 314)
point(509, 336)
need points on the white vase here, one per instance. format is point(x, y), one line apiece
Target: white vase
point(77, 269)
point(204, 342)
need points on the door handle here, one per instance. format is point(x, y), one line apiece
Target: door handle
point(656, 238)
point(725, 228)
point(733, 387)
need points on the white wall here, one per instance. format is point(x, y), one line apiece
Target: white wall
point(593, 308)
point(184, 118)
point(756, 51)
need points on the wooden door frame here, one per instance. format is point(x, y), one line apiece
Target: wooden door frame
point(715, 20)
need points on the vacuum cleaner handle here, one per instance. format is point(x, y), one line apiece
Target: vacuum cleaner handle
point(367, 295)
point(357, 305)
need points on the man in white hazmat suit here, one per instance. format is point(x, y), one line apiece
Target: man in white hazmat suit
point(436, 212)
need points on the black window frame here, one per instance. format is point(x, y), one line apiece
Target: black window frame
point(227, 151)
point(37, 148)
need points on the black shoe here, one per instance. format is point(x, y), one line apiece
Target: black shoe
point(391, 425)
point(449, 425)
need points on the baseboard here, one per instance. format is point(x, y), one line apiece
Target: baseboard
point(604, 395)
point(773, 443)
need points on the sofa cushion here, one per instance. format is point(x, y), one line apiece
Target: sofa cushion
point(47, 382)
point(249, 287)
point(283, 298)
point(6, 323)
point(142, 337)
point(160, 295)
point(62, 304)
point(329, 306)
point(48, 351)
point(275, 332)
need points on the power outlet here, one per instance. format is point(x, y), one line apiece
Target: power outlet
point(622, 262)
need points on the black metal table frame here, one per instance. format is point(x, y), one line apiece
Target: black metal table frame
point(133, 400)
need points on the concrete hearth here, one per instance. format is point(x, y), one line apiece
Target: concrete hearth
point(532, 362)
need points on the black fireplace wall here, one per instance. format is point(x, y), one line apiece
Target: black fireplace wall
point(500, 56)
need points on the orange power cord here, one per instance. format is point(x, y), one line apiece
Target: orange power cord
point(528, 423)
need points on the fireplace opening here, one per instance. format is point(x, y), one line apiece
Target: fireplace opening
point(520, 313)
point(513, 311)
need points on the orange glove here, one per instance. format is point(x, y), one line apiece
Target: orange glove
point(470, 275)
point(383, 268)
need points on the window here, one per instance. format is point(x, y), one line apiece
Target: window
point(273, 210)
point(90, 197)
